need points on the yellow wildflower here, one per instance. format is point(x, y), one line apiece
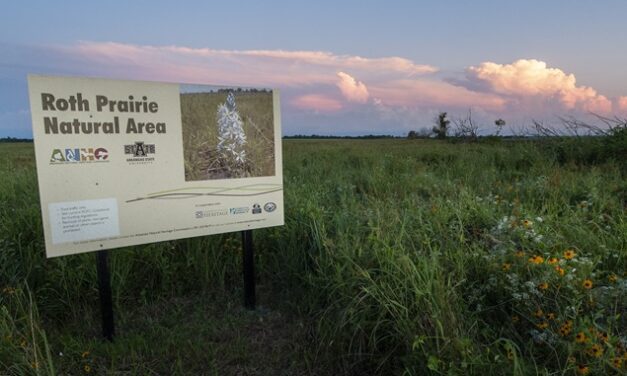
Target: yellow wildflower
point(539, 313)
point(506, 266)
point(87, 368)
point(565, 330)
point(537, 259)
point(553, 260)
point(603, 336)
point(569, 254)
point(543, 286)
point(527, 223)
point(617, 362)
point(520, 253)
point(595, 350)
point(560, 270)
point(583, 369)
point(542, 325)
point(587, 284)
point(85, 354)
point(550, 316)
point(612, 278)
point(581, 337)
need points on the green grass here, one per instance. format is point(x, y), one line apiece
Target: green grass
point(392, 261)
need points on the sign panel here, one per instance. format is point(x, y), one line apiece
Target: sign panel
point(122, 163)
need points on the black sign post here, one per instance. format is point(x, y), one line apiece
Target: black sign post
point(104, 290)
point(248, 267)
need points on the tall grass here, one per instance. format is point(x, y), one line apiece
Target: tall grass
point(390, 249)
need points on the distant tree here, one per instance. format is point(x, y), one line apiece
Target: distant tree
point(500, 123)
point(412, 134)
point(441, 125)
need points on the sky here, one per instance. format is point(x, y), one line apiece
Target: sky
point(342, 67)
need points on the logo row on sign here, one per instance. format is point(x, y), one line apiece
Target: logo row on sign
point(269, 207)
point(99, 154)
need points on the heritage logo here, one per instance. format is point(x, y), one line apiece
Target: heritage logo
point(211, 213)
point(140, 152)
point(79, 155)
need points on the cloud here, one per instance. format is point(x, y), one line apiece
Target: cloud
point(352, 89)
point(526, 81)
point(621, 104)
point(322, 91)
point(317, 103)
point(433, 93)
point(228, 67)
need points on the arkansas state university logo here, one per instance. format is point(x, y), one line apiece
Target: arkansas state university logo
point(79, 155)
point(140, 152)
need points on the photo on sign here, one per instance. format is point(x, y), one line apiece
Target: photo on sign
point(228, 133)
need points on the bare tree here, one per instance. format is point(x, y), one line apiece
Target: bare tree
point(466, 127)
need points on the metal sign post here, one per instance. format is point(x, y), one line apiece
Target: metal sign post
point(104, 290)
point(248, 267)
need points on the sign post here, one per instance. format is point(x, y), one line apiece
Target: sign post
point(104, 290)
point(249, 269)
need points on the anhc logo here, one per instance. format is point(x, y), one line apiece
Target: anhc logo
point(79, 155)
point(140, 149)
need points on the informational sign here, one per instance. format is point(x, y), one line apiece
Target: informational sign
point(122, 163)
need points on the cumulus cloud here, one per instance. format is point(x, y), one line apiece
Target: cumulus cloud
point(352, 89)
point(526, 80)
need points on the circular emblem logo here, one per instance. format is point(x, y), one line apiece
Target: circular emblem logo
point(269, 207)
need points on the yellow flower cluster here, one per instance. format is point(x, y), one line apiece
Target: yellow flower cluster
point(537, 259)
point(566, 328)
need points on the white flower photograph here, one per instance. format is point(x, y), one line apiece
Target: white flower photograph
point(228, 133)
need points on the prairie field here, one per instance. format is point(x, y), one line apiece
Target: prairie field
point(398, 257)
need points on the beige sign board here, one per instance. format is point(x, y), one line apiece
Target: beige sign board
point(122, 163)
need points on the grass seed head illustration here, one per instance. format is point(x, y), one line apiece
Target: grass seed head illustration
point(231, 136)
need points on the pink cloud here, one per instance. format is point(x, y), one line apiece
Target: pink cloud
point(526, 87)
point(352, 89)
point(316, 102)
point(259, 67)
point(621, 104)
point(532, 79)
